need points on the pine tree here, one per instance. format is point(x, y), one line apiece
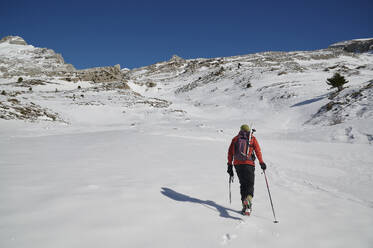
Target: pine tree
point(337, 81)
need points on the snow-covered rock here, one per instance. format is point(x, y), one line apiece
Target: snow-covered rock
point(100, 74)
point(15, 40)
point(19, 59)
point(355, 46)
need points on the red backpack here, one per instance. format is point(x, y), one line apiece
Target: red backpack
point(241, 147)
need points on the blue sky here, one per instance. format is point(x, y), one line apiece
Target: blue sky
point(138, 33)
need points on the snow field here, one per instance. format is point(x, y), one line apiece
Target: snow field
point(138, 189)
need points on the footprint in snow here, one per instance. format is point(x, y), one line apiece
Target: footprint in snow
point(227, 238)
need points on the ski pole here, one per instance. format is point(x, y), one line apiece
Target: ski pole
point(270, 198)
point(230, 193)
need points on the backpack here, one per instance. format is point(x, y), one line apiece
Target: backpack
point(241, 148)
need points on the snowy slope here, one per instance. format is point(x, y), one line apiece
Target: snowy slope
point(87, 164)
point(290, 84)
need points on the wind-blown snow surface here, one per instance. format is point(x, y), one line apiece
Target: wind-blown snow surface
point(130, 170)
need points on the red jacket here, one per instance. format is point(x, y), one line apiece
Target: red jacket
point(253, 145)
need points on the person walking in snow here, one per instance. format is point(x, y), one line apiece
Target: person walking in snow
point(241, 153)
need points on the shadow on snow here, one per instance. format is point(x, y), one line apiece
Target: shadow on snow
point(223, 211)
point(316, 99)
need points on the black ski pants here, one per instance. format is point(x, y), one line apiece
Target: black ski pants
point(246, 176)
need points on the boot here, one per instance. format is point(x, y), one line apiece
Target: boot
point(249, 200)
point(244, 207)
point(247, 205)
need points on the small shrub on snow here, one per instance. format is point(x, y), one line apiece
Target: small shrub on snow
point(337, 81)
point(151, 84)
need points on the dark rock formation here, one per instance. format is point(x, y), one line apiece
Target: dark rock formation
point(355, 46)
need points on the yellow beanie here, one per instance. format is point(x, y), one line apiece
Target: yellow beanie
point(245, 128)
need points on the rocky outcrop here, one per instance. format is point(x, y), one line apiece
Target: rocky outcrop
point(27, 60)
point(100, 74)
point(354, 46)
point(15, 40)
point(176, 59)
point(19, 59)
point(14, 109)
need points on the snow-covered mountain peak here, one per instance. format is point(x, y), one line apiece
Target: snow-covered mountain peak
point(19, 59)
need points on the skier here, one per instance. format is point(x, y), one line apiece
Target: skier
point(243, 159)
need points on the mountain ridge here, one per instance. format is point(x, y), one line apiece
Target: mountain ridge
point(288, 85)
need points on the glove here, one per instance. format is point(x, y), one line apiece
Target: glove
point(230, 169)
point(263, 166)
